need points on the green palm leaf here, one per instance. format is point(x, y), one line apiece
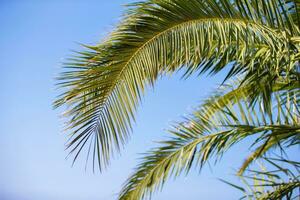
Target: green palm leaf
point(104, 85)
point(207, 135)
point(275, 178)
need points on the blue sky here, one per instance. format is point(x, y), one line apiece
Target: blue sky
point(35, 38)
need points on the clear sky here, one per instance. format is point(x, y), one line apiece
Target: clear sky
point(35, 38)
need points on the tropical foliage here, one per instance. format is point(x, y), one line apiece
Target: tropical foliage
point(279, 181)
point(257, 41)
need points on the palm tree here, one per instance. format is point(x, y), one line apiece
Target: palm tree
point(258, 41)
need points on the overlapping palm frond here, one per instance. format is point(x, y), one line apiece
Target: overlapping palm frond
point(104, 85)
point(275, 178)
point(208, 133)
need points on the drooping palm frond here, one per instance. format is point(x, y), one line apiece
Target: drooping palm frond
point(103, 85)
point(206, 135)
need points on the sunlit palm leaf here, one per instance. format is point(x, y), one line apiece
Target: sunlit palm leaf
point(207, 136)
point(275, 178)
point(103, 85)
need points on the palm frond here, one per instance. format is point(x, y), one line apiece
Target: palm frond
point(103, 85)
point(207, 135)
point(276, 178)
point(282, 191)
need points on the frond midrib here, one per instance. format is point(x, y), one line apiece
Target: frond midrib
point(139, 49)
point(213, 19)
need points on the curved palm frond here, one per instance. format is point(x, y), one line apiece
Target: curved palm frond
point(208, 135)
point(104, 85)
